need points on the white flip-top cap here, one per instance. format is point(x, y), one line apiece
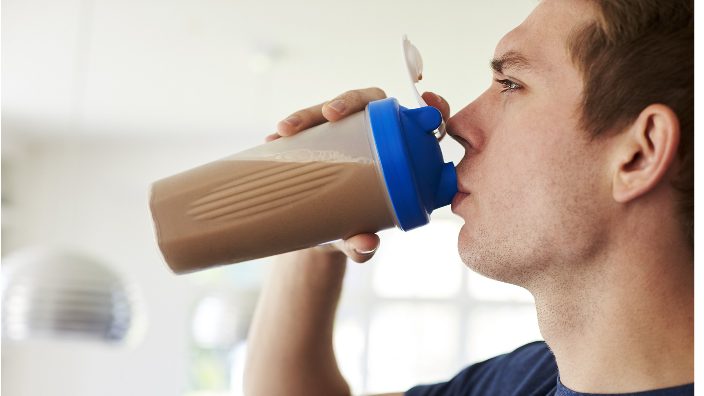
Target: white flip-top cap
point(414, 69)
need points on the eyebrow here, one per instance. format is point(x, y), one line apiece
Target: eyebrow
point(509, 60)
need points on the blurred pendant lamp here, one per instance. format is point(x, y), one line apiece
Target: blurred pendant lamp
point(50, 294)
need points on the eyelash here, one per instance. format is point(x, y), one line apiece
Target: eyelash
point(509, 85)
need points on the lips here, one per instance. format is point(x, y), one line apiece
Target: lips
point(457, 200)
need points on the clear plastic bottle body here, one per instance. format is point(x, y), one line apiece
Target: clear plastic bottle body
point(320, 185)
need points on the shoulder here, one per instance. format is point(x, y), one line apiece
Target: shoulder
point(528, 370)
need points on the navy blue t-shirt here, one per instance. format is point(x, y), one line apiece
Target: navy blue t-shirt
point(528, 371)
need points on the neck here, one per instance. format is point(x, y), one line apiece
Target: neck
point(624, 322)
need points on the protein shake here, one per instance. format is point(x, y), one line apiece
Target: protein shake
point(231, 211)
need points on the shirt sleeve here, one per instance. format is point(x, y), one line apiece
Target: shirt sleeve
point(529, 370)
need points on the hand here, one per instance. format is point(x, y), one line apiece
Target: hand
point(359, 248)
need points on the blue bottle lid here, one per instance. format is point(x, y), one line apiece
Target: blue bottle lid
point(417, 178)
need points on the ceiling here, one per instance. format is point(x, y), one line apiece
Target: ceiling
point(157, 68)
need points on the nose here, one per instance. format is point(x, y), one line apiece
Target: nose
point(468, 125)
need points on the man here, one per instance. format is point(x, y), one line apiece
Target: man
point(577, 184)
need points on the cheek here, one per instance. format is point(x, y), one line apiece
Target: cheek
point(529, 171)
point(544, 190)
point(519, 163)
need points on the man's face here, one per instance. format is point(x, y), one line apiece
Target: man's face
point(535, 181)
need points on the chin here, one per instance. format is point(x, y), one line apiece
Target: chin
point(497, 258)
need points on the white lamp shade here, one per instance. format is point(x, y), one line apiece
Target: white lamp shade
point(54, 294)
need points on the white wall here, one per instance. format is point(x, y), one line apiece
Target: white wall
point(161, 67)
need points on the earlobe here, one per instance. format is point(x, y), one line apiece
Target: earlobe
point(645, 152)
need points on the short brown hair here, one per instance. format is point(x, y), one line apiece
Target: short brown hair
point(637, 53)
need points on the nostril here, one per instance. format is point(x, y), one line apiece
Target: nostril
point(462, 141)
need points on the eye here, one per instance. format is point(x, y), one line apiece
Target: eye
point(508, 85)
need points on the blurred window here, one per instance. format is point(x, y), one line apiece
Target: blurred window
point(422, 263)
point(411, 343)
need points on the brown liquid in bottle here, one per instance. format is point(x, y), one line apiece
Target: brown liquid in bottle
point(231, 211)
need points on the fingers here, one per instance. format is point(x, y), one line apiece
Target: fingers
point(348, 103)
point(351, 102)
point(439, 103)
point(271, 137)
point(300, 120)
point(360, 248)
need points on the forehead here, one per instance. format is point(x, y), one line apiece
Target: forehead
point(541, 38)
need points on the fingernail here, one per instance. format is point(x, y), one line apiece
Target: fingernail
point(366, 251)
point(337, 105)
point(438, 98)
point(294, 121)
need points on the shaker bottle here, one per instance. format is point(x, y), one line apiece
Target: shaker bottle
point(373, 170)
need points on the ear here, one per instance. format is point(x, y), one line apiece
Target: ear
point(645, 152)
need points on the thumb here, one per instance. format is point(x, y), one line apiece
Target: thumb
point(360, 248)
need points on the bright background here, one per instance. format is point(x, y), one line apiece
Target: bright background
point(102, 97)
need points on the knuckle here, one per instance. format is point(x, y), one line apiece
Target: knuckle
point(352, 97)
point(378, 92)
point(445, 105)
point(306, 115)
point(359, 97)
